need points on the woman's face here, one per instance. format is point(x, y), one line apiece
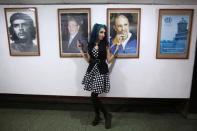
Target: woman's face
point(101, 34)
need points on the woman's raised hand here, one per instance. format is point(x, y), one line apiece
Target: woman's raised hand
point(79, 45)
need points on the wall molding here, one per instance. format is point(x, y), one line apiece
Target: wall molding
point(52, 2)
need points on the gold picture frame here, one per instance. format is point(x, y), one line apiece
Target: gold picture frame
point(174, 33)
point(74, 26)
point(125, 22)
point(22, 31)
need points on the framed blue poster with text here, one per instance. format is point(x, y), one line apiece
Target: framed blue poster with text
point(174, 32)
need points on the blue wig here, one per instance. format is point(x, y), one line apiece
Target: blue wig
point(95, 33)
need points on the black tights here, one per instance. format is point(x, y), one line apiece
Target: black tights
point(98, 106)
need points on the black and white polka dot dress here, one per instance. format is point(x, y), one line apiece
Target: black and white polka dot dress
point(95, 81)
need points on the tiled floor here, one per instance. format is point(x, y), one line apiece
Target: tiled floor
point(13, 119)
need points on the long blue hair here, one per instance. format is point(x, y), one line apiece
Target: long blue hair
point(95, 34)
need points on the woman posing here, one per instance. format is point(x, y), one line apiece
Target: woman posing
point(96, 78)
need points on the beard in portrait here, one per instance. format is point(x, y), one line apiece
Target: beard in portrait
point(22, 33)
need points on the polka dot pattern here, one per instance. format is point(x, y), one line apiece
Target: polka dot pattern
point(94, 81)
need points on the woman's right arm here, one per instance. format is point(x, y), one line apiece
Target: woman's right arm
point(86, 56)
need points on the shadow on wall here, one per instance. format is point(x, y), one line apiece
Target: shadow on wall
point(81, 67)
point(119, 81)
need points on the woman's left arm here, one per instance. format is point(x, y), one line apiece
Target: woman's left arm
point(110, 56)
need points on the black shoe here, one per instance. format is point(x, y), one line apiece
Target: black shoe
point(108, 119)
point(96, 120)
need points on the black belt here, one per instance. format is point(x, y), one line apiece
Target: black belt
point(97, 60)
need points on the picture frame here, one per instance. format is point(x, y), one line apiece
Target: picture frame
point(22, 31)
point(174, 33)
point(74, 28)
point(124, 23)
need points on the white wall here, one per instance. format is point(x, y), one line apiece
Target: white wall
point(49, 74)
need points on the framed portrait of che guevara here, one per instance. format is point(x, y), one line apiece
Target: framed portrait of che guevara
point(174, 33)
point(22, 31)
point(74, 30)
point(124, 31)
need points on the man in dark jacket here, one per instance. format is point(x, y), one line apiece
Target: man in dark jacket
point(69, 45)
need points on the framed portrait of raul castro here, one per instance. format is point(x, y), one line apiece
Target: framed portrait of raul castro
point(74, 28)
